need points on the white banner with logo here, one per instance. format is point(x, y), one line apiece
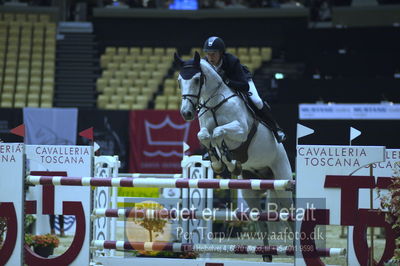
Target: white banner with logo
point(75, 161)
point(314, 163)
point(51, 126)
point(349, 111)
point(12, 200)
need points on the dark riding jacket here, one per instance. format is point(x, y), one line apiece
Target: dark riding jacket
point(234, 74)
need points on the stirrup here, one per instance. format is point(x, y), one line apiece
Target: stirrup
point(279, 135)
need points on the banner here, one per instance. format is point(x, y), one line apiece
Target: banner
point(51, 126)
point(156, 141)
point(349, 111)
point(110, 132)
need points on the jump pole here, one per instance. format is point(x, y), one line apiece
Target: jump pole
point(211, 248)
point(252, 184)
point(219, 215)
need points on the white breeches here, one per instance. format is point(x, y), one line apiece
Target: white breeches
point(255, 98)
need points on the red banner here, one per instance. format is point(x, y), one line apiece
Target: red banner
point(156, 141)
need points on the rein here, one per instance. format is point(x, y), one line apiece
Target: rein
point(198, 106)
point(215, 108)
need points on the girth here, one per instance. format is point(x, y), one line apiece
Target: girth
point(241, 153)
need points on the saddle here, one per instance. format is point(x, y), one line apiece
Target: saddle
point(254, 111)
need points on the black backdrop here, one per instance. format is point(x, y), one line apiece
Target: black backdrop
point(185, 32)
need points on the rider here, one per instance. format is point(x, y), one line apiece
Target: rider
point(238, 77)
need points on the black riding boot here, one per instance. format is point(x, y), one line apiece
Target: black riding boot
point(267, 117)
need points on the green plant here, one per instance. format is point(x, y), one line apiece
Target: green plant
point(29, 221)
point(391, 202)
point(28, 239)
point(47, 240)
point(3, 229)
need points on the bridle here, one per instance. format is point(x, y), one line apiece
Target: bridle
point(197, 105)
point(197, 97)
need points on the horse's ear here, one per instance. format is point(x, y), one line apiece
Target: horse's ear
point(178, 62)
point(196, 57)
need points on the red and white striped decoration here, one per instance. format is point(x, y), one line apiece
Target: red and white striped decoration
point(210, 248)
point(142, 175)
point(254, 184)
point(219, 215)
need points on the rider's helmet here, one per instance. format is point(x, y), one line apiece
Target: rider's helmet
point(214, 44)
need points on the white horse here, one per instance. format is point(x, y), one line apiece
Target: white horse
point(231, 134)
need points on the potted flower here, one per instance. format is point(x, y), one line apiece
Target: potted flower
point(3, 229)
point(43, 245)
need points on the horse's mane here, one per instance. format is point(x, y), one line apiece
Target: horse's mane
point(209, 71)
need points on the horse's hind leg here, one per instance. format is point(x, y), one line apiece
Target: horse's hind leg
point(253, 200)
point(282, 199)
point(277, 200)
point(234, 166)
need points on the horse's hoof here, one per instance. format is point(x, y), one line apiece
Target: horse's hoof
point(238, 169)
point(217, 167)
point(218, 170)
point(267, 258)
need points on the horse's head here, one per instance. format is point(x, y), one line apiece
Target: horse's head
point(191, 81)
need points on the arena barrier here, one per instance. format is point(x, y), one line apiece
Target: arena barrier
point(323, 172)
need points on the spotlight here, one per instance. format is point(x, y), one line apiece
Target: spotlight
point(279, 76)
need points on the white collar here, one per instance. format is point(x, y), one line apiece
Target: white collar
point(219, 65)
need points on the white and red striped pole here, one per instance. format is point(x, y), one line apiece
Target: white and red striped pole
point(211, 248)
point(253, 184)
point(217, 215)
point(142, 175)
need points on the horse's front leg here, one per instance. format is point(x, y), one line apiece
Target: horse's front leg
point(205, 139)
point(231, 132)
